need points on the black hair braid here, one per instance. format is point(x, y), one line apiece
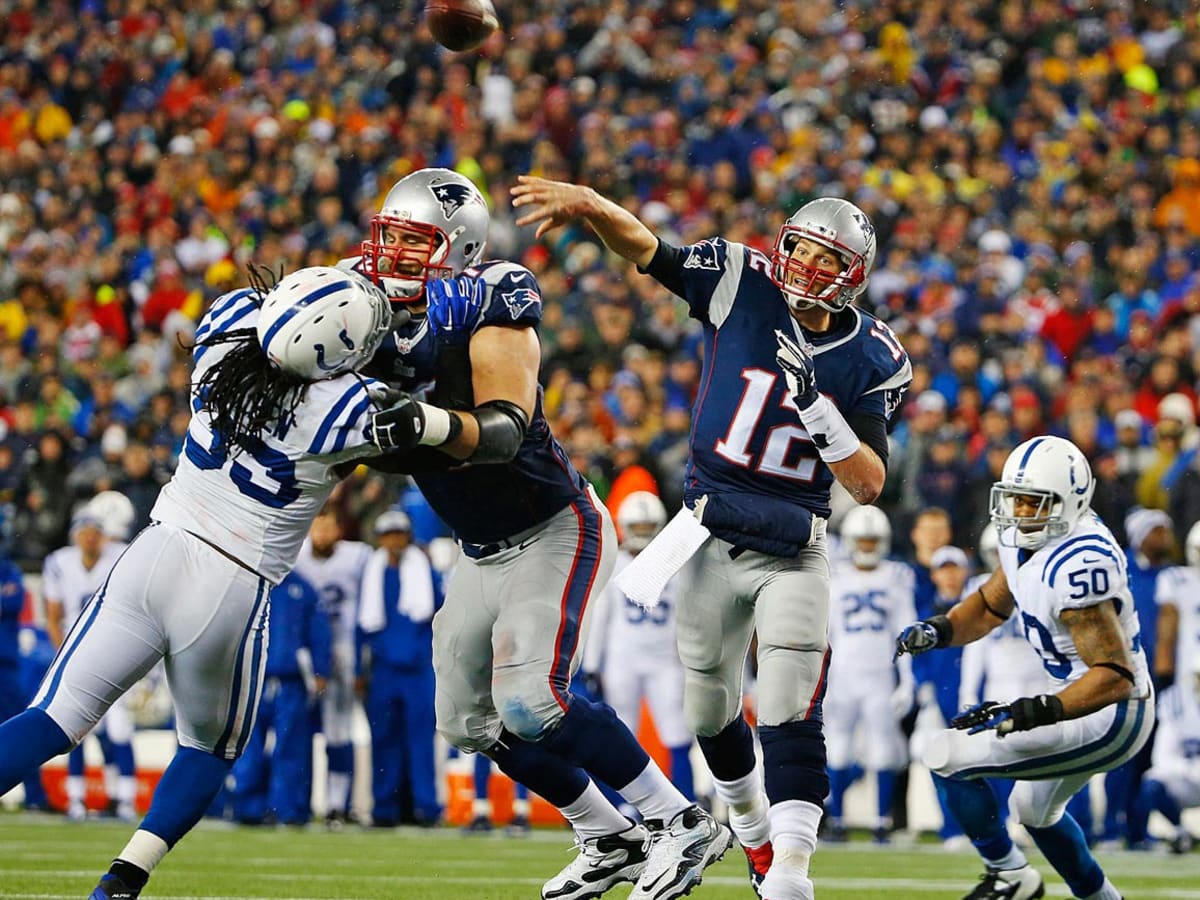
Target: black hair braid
point(244, 393)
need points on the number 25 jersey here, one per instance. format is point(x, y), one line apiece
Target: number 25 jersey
point(1082, 569)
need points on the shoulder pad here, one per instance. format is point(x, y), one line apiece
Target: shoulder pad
point(513, 295)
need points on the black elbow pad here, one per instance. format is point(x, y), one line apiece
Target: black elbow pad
point(502, 426)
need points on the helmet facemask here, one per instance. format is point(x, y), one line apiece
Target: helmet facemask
point(1030, 531)
point(869, 556)
point(804, 285)
point(414, 253)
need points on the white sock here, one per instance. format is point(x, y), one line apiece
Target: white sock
point(654, 795)
point(481, 807)
point(1013, 859)
point(1107, 892)
point(794, 833)
point(592, 816)
point(339, 791)
point(75, 788)
point(521, 807)
point(126, 789)
point(144, 850)
point(747, 808)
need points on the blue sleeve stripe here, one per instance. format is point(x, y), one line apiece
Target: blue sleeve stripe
point(344, 431)
point(297, 305)
point(332, 418)
point(1068, 546)
point(221, 329)
point(231, 302)
point(1102, 549)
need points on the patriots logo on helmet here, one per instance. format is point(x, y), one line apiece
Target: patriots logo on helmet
point(520, 300)
point(868, 229)
point(452, 196)
point(703, 256)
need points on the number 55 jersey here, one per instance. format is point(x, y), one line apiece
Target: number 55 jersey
point(1083, 568)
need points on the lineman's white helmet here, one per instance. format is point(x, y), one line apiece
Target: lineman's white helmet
point(867, 523)
point(1053, 471)
point(320, 322)
point(641, 517)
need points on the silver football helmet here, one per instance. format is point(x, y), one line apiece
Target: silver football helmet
point(842, 227)
point(867, 523)
point(989, 549)
point(1051, 472)
point(433, 224)
point(641, 516)
point(1191, 546)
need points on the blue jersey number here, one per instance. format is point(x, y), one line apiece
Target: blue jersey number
point(1089, 581)
point(863, 612)
point(333, 597)
point(636, 614)
point(1052, 658)
point(269, 462)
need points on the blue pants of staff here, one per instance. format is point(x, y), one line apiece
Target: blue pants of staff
point(280, 784)
point(399, 707)
point(14, 693)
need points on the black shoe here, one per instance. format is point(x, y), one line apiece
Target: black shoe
point(1182, 843)
point(1009, 884)
point(518, 827)
point(478, 825)
point(111, 887)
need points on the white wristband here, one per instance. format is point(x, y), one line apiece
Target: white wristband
point(437, 425)
point(834, 438)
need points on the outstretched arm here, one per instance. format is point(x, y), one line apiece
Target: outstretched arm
point(1101, 643)
point(555, 203)
point(967, 621)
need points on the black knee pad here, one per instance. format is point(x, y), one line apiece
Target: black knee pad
point(794, 762)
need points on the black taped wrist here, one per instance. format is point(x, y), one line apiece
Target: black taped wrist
point(944, 628)
point(1033, 712)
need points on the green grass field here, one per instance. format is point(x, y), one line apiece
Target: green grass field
point(43, 858)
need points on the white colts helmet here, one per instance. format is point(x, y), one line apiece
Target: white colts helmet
point(115, 512)
point(989, 549)
point(1055, 473)
point(641, 517)
point(843, 228)
point(867, 523)
point(1191, 546)
point(320, 322)
point(442, 221)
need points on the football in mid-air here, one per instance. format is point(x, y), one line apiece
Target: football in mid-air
point(461, 24)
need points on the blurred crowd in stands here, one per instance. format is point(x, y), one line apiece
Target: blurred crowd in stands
point(1032, 168)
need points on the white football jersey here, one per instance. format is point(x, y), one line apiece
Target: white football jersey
point(1081, 569)
point(1002, 665)
point(65, 579)
point(867, 609)
point(625, 630)
point(337, 579)
point(1179, 586)
point(257, 505)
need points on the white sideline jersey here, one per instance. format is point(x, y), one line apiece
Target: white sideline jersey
point(623, 630)
point(337, 579)
point(867, 609)
point(1081, 569)
point(1002, 665)
point(1179, 586)
point(65, 580)
point(257, 506)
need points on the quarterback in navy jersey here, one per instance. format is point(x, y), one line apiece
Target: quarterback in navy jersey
point(537, 543)
point(798, 388)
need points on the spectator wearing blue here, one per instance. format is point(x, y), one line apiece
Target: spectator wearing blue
point(1150, 548)
point(13, 690)
point(399, 595)
point(279, 787)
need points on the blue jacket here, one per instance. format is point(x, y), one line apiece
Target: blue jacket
point(297, 622)
point(402, 643)
point(1141, 584)
point(12, 600)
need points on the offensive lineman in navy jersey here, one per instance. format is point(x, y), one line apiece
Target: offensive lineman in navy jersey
point(537, 544)
point(798, 388)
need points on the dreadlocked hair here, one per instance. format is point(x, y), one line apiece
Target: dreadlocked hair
point(244, 393)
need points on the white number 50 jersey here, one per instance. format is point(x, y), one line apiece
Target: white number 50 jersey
point(1084, 568)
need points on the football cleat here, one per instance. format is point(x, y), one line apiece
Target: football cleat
point(478, 825)
point(1008, 884)
point(787, 883)
point(758, 861)
point(518, 827)
point(111, 887)
point(679, 854)
point(1182, 843)
point(602, 862)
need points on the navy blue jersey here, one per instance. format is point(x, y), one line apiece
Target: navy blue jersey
point(747, 437)
point(484, 503)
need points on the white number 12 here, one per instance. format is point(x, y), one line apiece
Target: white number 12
point(735, 446)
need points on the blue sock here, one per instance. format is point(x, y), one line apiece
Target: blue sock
point(520, 791)
point(1065, 847)
point(592, 737)
point(186, 790)
point(27, 740)
point(544, 772)
point(974, 806)
point(75, 760)
point(730, 752)
point(122, 758)
point(681, 771)
point(839, 782)
point(481, 775)
point(885, 784)
point(794, 762)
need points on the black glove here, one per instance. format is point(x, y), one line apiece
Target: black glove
point(922, 636)
point(399, 427)
point(799, 370)
point(979, 717)
point(1020, 715)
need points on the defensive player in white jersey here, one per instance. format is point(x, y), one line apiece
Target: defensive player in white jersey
point(1177, 594)
point(632, 649)
point(70, 576)
point(334, 567)
point(278, 417)
point(1063, 575)
point(870, 600)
